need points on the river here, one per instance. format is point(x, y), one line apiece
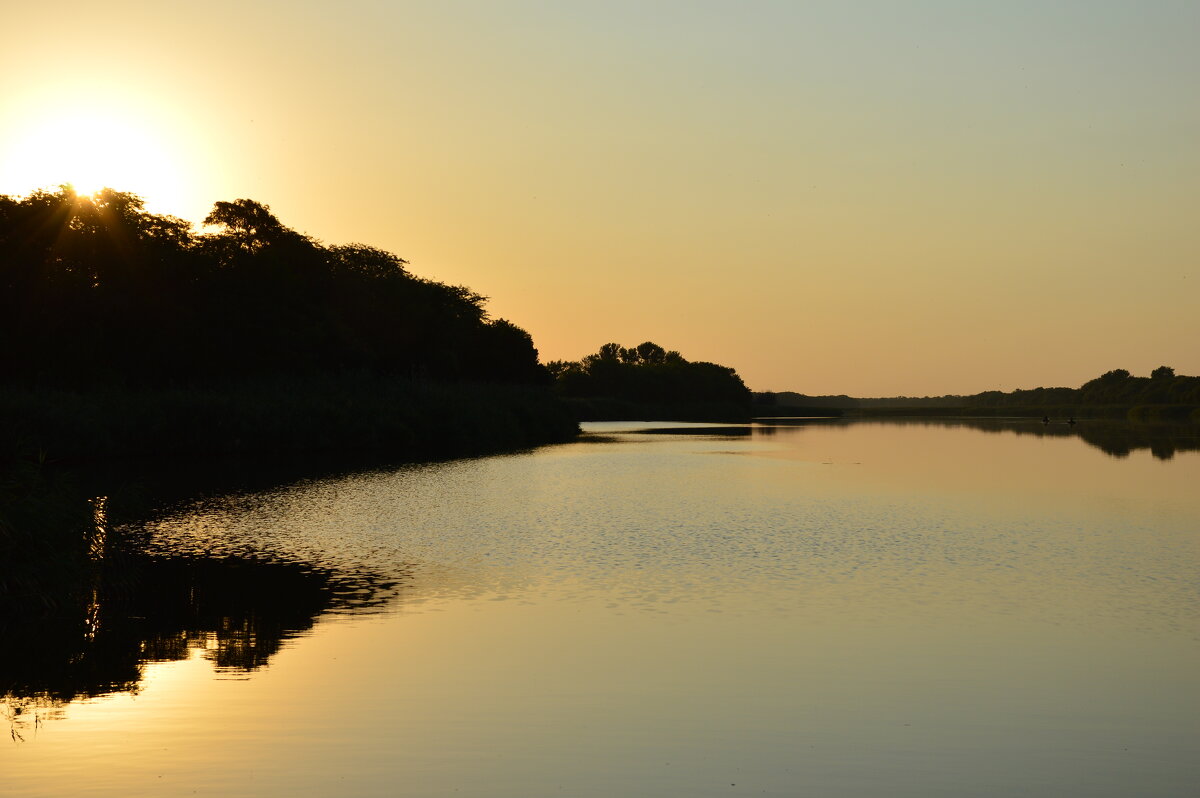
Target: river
point(826, 608)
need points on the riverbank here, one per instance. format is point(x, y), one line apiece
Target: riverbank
point(397, 418)
point(61, 449)
point(1174, 413)
point(608, 409)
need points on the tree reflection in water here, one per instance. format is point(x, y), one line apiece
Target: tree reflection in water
point(1114, 438)
point(236, 612)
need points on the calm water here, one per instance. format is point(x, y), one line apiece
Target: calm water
point(825, 609)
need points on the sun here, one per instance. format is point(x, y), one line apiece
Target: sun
point(91, 149)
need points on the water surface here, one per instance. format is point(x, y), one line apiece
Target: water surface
point(824, 608)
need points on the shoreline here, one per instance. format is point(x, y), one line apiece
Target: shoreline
point(391, 418)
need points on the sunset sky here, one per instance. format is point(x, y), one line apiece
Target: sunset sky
point(871, 198)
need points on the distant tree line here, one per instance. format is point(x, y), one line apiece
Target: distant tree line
point(1113, 389)
point(1116, 387)
point(648, 381)
point(98, 290)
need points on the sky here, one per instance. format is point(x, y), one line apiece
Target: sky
point(870, 198)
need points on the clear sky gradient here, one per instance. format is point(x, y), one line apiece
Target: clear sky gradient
point(872, 198)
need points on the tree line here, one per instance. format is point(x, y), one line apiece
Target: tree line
point(648, 381)
point(1116, 387)
point(97, 290)
point(1113, 389)
point(126, 334)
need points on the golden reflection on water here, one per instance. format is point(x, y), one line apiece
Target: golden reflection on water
point(1016, 464)
point(834, 609)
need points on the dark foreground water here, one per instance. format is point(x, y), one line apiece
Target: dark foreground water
point(825, 609)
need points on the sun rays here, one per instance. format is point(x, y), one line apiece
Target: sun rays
point(90, 148)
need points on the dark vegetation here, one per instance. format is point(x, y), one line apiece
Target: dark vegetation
point(98, 290)
point(47, 529)
point(378, 418)
point(647, 382)
point(1163, 396)
point(126, 334)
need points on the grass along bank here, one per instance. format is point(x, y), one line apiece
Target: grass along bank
point(398, 418)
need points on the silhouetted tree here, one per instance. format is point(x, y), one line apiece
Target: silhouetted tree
point(98, 289)
point(651, 376)
point(249, 223)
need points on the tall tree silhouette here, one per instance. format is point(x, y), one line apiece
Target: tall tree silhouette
point(97, 289)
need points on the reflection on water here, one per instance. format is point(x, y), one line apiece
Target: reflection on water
point(1115, 438)
point(145, 602)
point(829, 608)
point(235, 612)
